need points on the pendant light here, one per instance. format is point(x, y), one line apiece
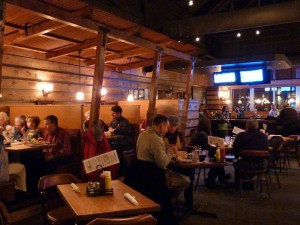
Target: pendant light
point(79, 94)
point(130, 97)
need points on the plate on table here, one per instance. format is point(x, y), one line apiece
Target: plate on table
point(184, 160)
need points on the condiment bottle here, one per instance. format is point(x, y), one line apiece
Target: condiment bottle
point(102, 183)
point(107, 180)
point(218, 153)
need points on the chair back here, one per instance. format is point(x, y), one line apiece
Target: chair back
point(255, 154)
point(50, 181)
point(3, 214)
point(129, 157)
point(47, 187)
point(212, 140)
point(145, 219)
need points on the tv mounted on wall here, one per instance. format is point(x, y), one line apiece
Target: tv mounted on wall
point(254, 76)
point(225, 78)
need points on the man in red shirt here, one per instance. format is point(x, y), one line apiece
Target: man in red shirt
point(60, 154)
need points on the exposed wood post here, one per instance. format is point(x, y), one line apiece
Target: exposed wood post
point(153, 87)
point(188, 86)
point(98, 76)
point(2, 25)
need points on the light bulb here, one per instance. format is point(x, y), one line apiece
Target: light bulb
point(191, 2)
point(130, 98)
point(79, 96)
point(103, 91)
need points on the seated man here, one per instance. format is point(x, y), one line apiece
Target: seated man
point(148, 174)
point(60, 154)
point(251, 139)
point(120, 126)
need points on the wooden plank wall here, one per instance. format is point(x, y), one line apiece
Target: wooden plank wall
point(69, 116)
point(23, 71)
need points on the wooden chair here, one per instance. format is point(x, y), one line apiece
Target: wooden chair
point(145, 219)
point(292, 148)
point(251, 165)
point(7, 189)
point(276, 143)
point(54, 209)
point(3, 215)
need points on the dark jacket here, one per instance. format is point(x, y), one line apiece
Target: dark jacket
point(287, 116)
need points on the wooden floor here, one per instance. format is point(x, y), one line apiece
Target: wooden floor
point(254, 208)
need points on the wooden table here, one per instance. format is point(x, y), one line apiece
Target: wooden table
point(86, 208)
point(194, 165)
point(27, 148)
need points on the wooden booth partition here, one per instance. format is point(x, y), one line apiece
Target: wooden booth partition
point(130, 112)
point(69, 116)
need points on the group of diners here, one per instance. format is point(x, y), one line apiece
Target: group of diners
point(25, 129)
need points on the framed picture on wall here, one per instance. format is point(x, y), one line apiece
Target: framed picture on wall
point(136, 94)
point(141, 94)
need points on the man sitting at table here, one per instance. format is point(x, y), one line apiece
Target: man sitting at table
point(148, 174)
point(287, 120)
point(60, 154)
point(251, 139)
point(120, 126)
point(20, 127)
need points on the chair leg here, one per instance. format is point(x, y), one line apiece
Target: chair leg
point(277, 178)
point(267, 185)
point(197, 181)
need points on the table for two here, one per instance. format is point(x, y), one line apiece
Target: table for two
point(87, 208)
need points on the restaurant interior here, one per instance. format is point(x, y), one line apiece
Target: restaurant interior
point(168, 57)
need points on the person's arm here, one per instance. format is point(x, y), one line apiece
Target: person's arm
point(162, 156)
point(123, 128)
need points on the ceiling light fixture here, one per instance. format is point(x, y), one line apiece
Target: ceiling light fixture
point(197, 39)
point(191, 3)
point(130, 97)
point(238, 35)
point(79, 94)
point(257, 32)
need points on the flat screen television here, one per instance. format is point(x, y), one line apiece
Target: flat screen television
point(254, 76)
point(225, 78)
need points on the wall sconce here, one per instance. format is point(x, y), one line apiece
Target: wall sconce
point(46, 88)
point(103, 92)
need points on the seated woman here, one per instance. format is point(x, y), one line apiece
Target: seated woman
point(181, 179)
point(200, 138)
point(4, 123)
point(33, 131)
point(7, 168)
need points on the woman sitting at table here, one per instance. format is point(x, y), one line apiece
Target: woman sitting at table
point(20, 128)
point(33, 131)
point(182, 178)
point(200, 138)
point(4, 124)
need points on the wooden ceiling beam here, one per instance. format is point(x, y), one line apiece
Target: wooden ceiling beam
point(143, 63)
point(74, 48)
point(38, 29)
point(50, 12)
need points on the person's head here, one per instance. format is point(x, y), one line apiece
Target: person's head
point(202, 107)
point(252, 125)
point(20, 122)
point(116, 111)
point(204, 125)
point(286, 105)
point(3, 119)
point(160, 123)
point(173, 124)
point(33, 122)
point(50, 123)
point(225, 108)
point(87, 115)
point(273, 106)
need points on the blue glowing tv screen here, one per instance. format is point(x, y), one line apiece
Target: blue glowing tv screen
point(224, 78)
point(253, 76)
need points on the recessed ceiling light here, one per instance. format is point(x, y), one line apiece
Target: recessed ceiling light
point(191, 2)
point(197, 39)
point(238, 34)
point(257, 32)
